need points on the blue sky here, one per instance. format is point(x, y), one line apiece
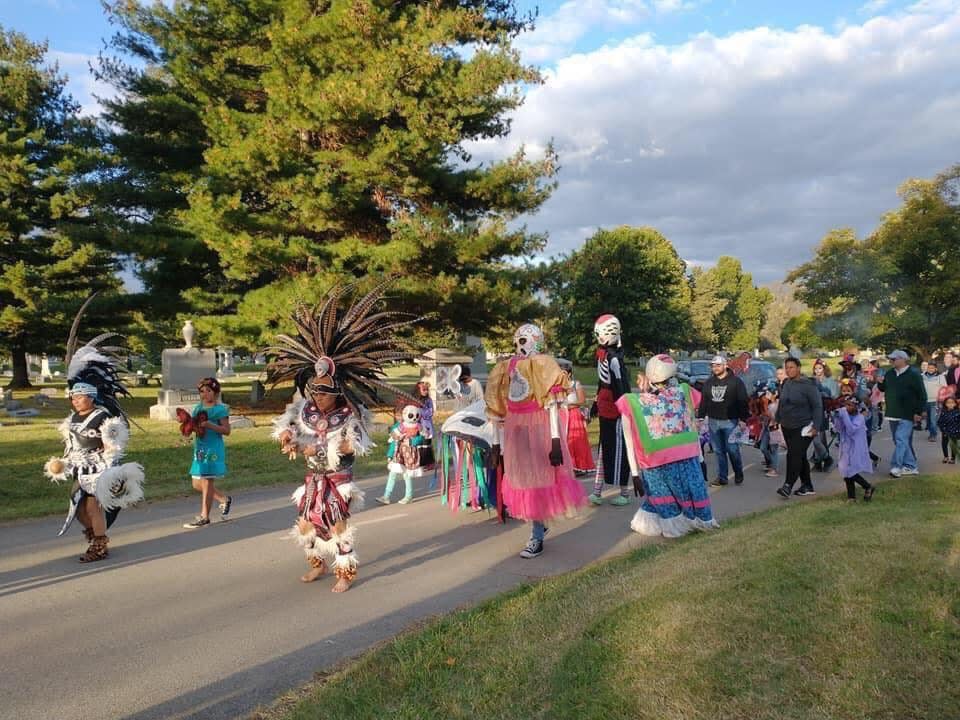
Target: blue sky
point(743, 127)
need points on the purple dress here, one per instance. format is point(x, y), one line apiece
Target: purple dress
point(854, 453)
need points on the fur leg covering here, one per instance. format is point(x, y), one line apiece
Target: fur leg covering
point(120, 486)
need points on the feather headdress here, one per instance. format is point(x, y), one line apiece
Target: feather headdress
point(342, 349)
point(96, 364)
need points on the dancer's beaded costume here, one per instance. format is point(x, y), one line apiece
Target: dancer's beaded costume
point(336, 362)
point(95, 443)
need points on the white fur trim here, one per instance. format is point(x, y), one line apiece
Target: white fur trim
point(648, 523)
point(298, 494)
point(352, 493)
point(115, 435)
point(64, 430)
point(130, 475)
point(327, 550)
point(347, 562)
point(416, 472)
point(56, 477)
point(287, 421)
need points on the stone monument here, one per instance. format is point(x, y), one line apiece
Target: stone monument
point(440, 368)
point(45, 373)
point(182, 369)
point(478, 367)
point(225, 354)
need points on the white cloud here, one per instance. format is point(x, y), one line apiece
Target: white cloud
point(81, 83)
point(754, 144)
point(556, 34)
point(872, 7)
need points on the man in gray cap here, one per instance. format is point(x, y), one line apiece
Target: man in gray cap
point(724, 403)
point(906, 401)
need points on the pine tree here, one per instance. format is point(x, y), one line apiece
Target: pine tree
point(51, 252)
point(333, 139)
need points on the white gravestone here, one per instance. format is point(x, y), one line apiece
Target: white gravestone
point(226, 362)
point(182, 369)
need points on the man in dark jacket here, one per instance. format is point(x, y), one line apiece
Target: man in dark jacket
point(724, 404)
point(906, 401)
point(800, 414)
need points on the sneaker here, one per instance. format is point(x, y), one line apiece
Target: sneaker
point(719, 481)
point(383, 500)
point(876, 464)
point(738, 479)
point(405, 500)
point(772, 473)
point(827, 464)
point(784, 492)
point(225, 507)
point(801, 491)
point(909, 471)
point(868, 493)
point(533, 548)
point(620, 501)
point(595, 499)
point(197, 522)
point(896, 472)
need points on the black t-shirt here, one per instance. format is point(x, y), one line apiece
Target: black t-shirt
point(724, 399)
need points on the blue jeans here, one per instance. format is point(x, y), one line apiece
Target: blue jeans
point(538, 531)
point(719, 435)
point(932, 419)
point(770, 453)
point(903, 455)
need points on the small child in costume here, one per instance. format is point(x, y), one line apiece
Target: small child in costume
point(949, 423)
point(851, 424)
point(403, 454)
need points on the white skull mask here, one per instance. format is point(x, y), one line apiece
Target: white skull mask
point(607, 330)
point(528, 340)
point(410, 415)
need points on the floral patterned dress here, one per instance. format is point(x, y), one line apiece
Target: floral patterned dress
point(666, 447)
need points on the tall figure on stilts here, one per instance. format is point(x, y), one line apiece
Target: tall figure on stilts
point(612, 384)
point(524, 396)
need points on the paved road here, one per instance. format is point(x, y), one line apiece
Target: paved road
point(213, 622)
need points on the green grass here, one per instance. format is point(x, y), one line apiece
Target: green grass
point(816, 610)
point(253, 459)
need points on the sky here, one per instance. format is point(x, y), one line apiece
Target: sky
point(734, 127)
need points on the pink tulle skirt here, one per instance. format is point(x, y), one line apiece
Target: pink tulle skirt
point(533, 489)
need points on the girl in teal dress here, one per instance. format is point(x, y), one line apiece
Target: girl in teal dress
point(209, 451)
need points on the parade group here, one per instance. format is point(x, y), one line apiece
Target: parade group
point(515, 449)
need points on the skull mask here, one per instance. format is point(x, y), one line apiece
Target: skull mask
point(607, 330)
point(410, 415)
point(528, 340)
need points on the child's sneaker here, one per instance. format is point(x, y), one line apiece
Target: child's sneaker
point(383, 500)
point(405, 500)
point(596, 499)
point(198, 522)
point(772, 473)
point(533, 548)
point(225, 507)
point(620, 501)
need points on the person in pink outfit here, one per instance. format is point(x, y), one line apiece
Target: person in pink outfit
point(524, 396)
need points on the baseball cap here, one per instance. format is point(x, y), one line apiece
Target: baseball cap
point(898, 355)
point(718, 360)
